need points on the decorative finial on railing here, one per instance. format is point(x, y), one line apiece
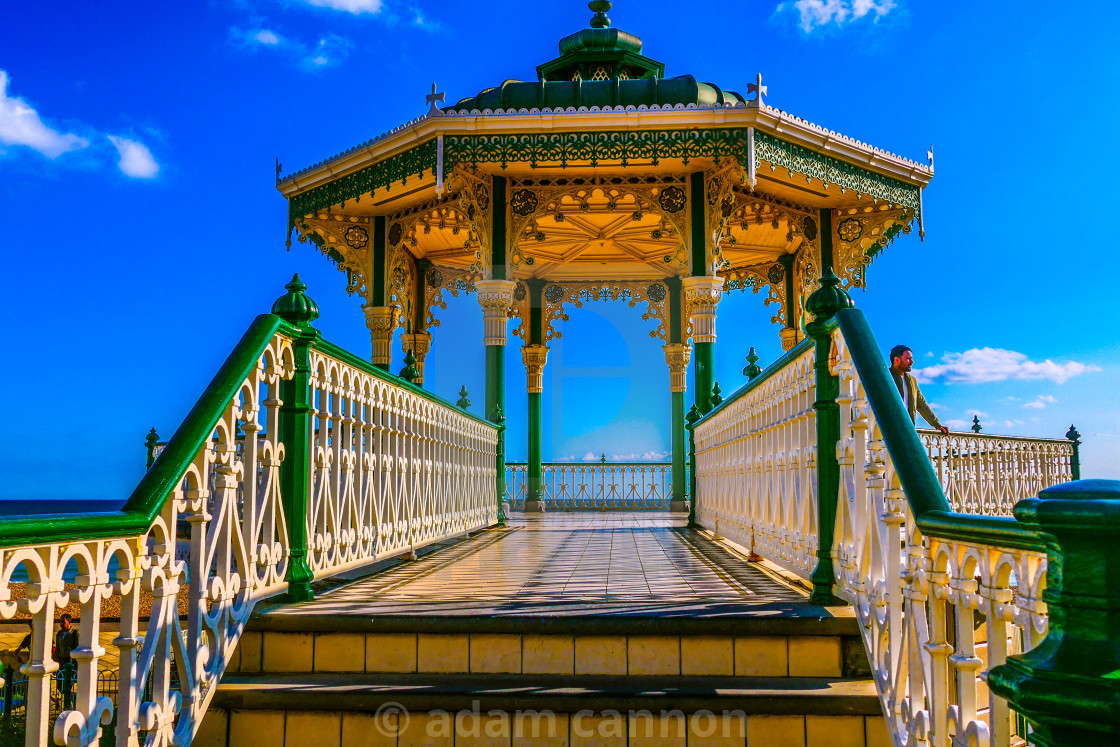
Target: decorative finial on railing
point(603, 458)
point(151, 441)
point(497, 416)
point(828, 299)
point(409, 372)
point(976, 427)
point(716, 395)
point(600, 20)
point(1075, 458)
point(752, 370)
point(296, 307)
point(463, 402)
point(693, 414)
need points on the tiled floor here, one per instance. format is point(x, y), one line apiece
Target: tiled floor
point(589, 559)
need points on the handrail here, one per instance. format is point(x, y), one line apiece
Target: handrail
point(151, 493)
point(588, 465)
point(790, 355)
point(1029, 439)
point(927, 500)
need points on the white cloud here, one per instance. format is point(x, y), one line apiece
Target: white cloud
point(328, 51)
point(819, 13)
point(270, 38)
point(1040, 402)
point(590, 457)
point(957, 425)
point(136, 160)
point(982, 365)
point(977, 413)
point(20, 124)
point(356, 7)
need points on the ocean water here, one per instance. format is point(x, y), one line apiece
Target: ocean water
point(33, 507)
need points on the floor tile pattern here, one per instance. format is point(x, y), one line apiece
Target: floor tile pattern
point(591, 560)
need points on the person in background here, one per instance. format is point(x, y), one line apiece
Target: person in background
point(902, 360)
point(65, 640)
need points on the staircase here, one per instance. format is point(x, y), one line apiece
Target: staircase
point(407, 656)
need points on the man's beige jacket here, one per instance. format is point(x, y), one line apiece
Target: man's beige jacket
point(912, 397)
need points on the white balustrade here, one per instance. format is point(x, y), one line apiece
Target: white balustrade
point(404, 471)
point(756, 467)
point(936, 613)
point(595, 486)
point(988, 475)
point(392, 470)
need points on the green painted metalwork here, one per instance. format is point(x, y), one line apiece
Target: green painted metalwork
point(398, 168)
point(823, 305)
point(150, 443)
point(1075, 459)
point(976, 427)
point(495, 377)
point(377, 292)
point(691, 420)
point(595, 147)
point(698, 214)
point(296, 413)
point(828, 258)
point(463, 402)
point(498, 418)
point(703, 372)
point(786, 260)
point(536, 420)
point(1068, 686)
point(498, 228)
point(717, 395)
point(680, 487)
point(752, 370)
point(409, 372)
point(831, 170)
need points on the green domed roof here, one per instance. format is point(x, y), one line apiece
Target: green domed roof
point(599, 66)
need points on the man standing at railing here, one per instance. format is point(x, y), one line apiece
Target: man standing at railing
point(902, 360)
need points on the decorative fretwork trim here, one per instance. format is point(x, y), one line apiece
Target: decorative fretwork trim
point(346, 240)
point(650, 146)
point(863, 232)
point(654, 294)
point(439, 278)
point(769, 274)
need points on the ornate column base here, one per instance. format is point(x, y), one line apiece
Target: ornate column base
point(419, 343)
point(681, 507)
point(534, 507)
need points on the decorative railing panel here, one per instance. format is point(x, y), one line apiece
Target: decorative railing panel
point(988, 475)
point(597, 486)
point(391, 468)
point(756, 469)
point(941, 597)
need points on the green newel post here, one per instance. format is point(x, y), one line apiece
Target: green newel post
point(1068, 687)
point(1074, 460)
point(693, 416)
point(498, 418)
point(299, 310)
point(151, 441)
point(823, 305)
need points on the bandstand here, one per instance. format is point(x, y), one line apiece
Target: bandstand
point(600, 179)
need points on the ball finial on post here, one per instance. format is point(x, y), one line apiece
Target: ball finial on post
point(296, 307)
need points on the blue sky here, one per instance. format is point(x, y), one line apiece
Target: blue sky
point(143, 231)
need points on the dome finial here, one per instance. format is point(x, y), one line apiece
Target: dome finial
point(600, 20)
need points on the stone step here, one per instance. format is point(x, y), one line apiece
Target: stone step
point(749, 651)
point(350, 709)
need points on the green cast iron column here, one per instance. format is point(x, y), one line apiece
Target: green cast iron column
point(826, 240)
point(496, 354)
point(823, 305)
point(299, 310)
point(680, 485)
point(377, 296)
point(536, 337)
point(703, 353)
point(1068, 687)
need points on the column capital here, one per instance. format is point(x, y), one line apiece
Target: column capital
point(702, 293)
point(381, 321)
point(535, 357)
point(496, 298)
point(790, 337)
point(677, 355)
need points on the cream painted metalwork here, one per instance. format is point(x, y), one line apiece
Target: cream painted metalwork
point(756, 467)
point(228, 500)
point(602, 486)
point(983, 474)
point(936, 614)
point(392, 469)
